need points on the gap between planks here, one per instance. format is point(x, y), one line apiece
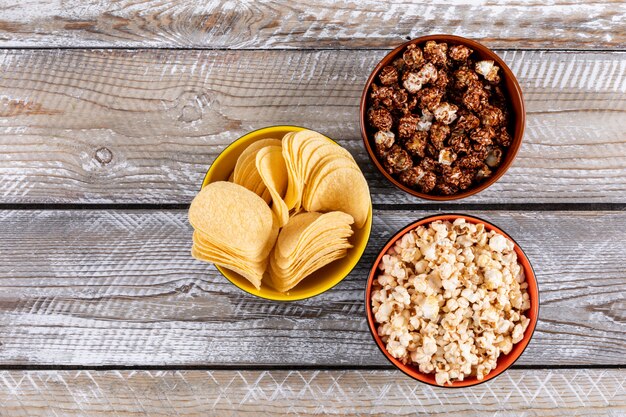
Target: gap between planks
point(441, 207)
point(307, 49)
point(304, 367)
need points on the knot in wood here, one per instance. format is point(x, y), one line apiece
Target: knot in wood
point(191, 104)
point(104, 155)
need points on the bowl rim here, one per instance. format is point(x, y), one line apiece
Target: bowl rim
point(374, 269)
point(512, 96)
point(368, 224)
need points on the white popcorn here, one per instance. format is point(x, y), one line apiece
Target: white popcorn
point(506, 345)
point(405, 339)
point(446, 156)
point(497, 243)
point(430, 307)
point(493, 279)
point(518, 333)
point(396, 349)
point(483, 260)
point(429, 345)
point(450, 298)
point(401, 295)
point(446, 113)
point(442, 377)
point(425, 121)
point(429, 252)
point(413, 82)
point(382, 315)
point(487, 69)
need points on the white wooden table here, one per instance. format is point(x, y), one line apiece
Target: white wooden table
point(110, 114)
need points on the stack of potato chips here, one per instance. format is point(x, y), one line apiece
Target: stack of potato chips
point(234, 228)
point(306, 243)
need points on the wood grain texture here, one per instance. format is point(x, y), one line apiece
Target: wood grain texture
point(587, 392)
point(309, 24)
point(143, 126)
point(119, 288)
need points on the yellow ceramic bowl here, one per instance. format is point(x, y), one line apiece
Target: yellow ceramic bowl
point(322, 279)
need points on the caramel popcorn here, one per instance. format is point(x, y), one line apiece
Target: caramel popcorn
point(488, 70)
point(438, 134)
point(397, 160)
point(388, 75)
point(437, 101)
point(436, 53)
point(413, 57)
point(416, 145)
point(450, 299)
point(460, 53)
point(384, 139)
point(445, 113)
point(381, 119)
point(407, 126)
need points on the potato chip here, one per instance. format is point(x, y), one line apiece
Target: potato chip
point(318, 150)
point(305, 227)
point(326, 165)
point(205, 246)
point(271, 166)
point(323, 176)
point(245, 172)
point(293, 194)
point(250, 178)
point(300, 275)
point(233, 217)
point(285, 280)
point(343, 189)
point(251, 149)
point(306, 243)
point(322, 239)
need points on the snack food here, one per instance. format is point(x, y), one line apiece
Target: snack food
point(239, 232)
point(294, 201)
point(246, 172)
point(308, 241)
point(450, 298)
point(438, 118)
point(324, 177)
point(273, 172)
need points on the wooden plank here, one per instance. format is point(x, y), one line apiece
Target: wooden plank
point(279, 393)
point(309, 24)
point(117, 126)
point(119, 288)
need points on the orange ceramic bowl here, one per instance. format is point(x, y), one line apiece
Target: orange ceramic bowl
point(504, 361)
point(512, 91)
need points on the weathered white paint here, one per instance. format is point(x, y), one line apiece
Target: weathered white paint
point(279, 393)
point(317, 24)
point(143, 126)
point(112, 287)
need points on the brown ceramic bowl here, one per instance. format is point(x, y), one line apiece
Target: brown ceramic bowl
point(504, 361)
point(512, 91)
